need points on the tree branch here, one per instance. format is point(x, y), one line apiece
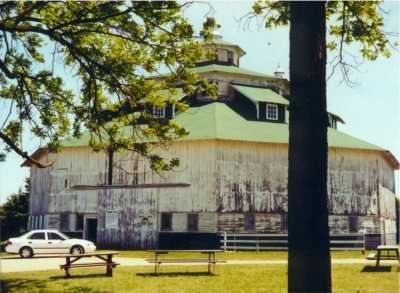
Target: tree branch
point(23, 154)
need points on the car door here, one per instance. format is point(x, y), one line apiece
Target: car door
point(38, 242)
point(56, 243)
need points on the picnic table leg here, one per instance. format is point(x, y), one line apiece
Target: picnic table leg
point(109, 270)
point(209, 263)
point(214, 263)
point(156, 264)
point(67, 267)
point(378, 258)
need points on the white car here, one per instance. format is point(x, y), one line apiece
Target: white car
point(47, 241)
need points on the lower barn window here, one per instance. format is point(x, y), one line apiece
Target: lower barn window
point(79, 222)
point(193, 222)
point(249, 222)
point(272, 112)
point(166, 222)
point(353, 224)
point(284, 223)
point(64, 222)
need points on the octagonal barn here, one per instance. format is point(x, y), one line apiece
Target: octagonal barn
point(232, 177)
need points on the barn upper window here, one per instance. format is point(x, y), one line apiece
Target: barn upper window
point(166, 222)
point(272, 112)
point(159, 112)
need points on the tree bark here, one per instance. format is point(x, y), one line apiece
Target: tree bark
point(309, 268)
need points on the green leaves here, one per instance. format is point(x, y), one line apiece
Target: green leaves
point(14, 214)
point(348, 22)
point(109, 48)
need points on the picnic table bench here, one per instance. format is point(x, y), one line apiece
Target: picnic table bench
point(383, 252)
point(210, 260)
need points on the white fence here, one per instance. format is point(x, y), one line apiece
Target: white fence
point(348, 241)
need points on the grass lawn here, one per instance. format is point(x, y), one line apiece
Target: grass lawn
point(190, 279)
point(239, 255)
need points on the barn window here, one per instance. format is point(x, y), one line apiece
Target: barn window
point(64, 222)
point(111, 219)
point(193, 222)
point(159, 112)
point(272, 112)
point(284, 223)
point(166, 222)
point(353, 224)
point(65, 183)
point(79, 222)
point(249, 222)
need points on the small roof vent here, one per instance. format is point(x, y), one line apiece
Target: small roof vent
point(279, 73)
point(217, 34)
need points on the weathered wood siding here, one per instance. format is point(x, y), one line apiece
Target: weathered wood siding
point(136, 217)
point(227, 179)
point(251, 177)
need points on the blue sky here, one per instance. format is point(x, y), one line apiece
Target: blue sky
point(371, 108)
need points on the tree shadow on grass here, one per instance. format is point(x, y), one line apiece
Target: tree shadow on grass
point(21, 284)
point(176, 274)
point(375, 269)
point(26, 285)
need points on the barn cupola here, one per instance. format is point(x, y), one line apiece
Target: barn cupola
point(219, 51)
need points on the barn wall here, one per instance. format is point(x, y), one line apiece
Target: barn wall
point(227, 179)
point(136, 217)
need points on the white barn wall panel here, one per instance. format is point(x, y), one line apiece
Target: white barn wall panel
point(226, 179)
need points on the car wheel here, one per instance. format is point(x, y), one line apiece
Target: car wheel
point(75, 250)
point(26, 252)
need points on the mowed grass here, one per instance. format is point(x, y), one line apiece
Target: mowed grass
point(238, 255)
point(192, 279)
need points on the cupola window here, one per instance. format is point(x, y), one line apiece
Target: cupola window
point(159, 112)
point(230, 57)
point(272, 112)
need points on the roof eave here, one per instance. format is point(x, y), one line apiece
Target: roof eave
point(35, 155)
point(392, 159)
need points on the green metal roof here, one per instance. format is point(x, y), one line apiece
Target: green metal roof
point(260, 94)
point(178, 96)
point(218, 121)
point(224, 43)
point(230, 69)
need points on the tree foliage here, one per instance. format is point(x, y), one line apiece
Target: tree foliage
point(109, 49)
point(348, 22)
point(14, 214)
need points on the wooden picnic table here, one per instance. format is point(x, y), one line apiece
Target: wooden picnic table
point(70, 261)
point(383, 252)
point(210, 260)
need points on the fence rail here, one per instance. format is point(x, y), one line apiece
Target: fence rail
point(348, 241)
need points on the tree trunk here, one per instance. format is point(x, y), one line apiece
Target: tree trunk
point(309, 267)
